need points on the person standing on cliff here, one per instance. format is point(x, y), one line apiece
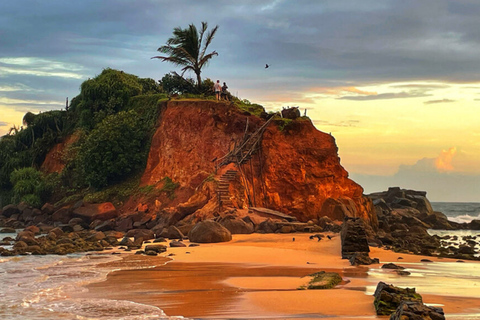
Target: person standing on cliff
point(217, 88)
point(224, 92)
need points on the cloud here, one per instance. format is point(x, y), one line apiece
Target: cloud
point(39, 67)
point(346, 123)
point(390, 95)
point(439, 101)
point(421, 86)
point(438, 176)
point(341, 90)
point(3, 124)
point(442, 163)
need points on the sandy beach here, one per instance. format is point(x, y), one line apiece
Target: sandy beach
point(258, 275)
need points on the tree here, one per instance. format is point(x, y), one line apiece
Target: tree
point(188, 48)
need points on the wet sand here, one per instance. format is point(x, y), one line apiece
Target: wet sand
point(257, 276)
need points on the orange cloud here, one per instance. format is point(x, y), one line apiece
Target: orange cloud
point(342, 90)
point(443, 162)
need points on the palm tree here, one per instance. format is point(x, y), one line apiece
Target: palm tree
point(187, 48)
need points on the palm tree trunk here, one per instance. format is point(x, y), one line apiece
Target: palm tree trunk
point(199, 80)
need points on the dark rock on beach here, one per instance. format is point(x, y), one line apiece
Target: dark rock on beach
point(354, 238)
point(209, 231)
point(388, 298)
point(410, 310)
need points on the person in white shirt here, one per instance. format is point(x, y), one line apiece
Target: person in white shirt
point(217, 88)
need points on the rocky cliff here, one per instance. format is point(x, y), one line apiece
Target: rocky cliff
point(295, 169)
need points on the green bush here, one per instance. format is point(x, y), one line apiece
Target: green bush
point(114, 149)
point(28, 184)
point(107, 94)
point(246, 105)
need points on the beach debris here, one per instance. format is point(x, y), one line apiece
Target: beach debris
point(317, 236)
point(388, 297)
point(293, 239)
point(322, 280)
point(329, 237)
point(193, 245)
point(416, 310)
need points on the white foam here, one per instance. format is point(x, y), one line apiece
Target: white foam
point(464, 218)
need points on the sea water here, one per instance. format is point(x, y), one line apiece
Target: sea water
point(44, 287)
point(41, 287)
point(459, 211)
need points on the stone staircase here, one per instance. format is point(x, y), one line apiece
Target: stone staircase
point(222, 188)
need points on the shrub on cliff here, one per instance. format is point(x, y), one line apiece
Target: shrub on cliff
point(31, 186)
point(114, 149)
point(108, 93)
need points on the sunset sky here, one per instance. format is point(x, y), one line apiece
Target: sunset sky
point(397, 83)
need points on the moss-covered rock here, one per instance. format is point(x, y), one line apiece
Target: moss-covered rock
point(323, 280)
point(389, 297)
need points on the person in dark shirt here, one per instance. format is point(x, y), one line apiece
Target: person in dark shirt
point(224, 91)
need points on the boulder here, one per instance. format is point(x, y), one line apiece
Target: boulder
point(177, 244)
point(392, 266)
point(236, 226)
point(62, 215)
point(101, 211)
point(124, 224)
point(354, 237)
point(388, 298)
point(267, 226)
point(96, 236)
point(10, 210)
point(291, 113)
point(408, 310)
point(143, 233)
point(158, 248)
point(48, 208)
point(323, 280)
point(474, 225)
point(105, 225)
point(209, 231)
point(362, 258)
point(173, 233)
point(34, 229)
point(7, 230)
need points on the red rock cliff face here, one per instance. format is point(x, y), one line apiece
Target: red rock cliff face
point(295, 171)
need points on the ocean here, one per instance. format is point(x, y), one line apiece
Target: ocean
point(459, 211)
point(47, 287)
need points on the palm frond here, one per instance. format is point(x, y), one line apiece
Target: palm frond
point(208, 40)
point(206, 58)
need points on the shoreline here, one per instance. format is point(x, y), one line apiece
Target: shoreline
point(257, 276)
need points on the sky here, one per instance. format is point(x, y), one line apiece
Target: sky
point(397, 83)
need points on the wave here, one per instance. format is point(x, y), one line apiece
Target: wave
point(465, 218)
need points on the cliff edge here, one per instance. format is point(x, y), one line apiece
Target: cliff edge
point(294, 168)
